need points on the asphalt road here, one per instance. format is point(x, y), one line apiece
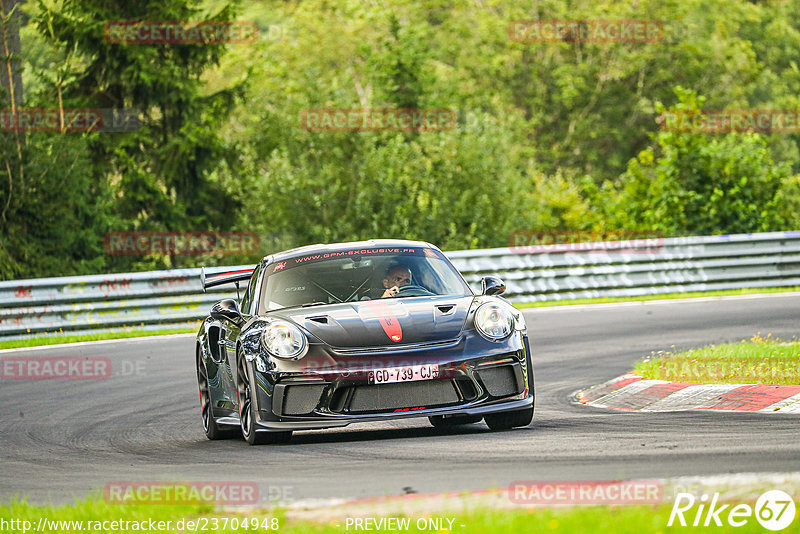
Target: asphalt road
point(61, 439)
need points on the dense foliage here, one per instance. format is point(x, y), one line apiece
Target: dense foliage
point(548, 136)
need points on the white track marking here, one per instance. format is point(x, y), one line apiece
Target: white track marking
point(700, 397)
point(788, 405)
point(624, 392)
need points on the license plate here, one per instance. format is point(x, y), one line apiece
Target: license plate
point(410, 373)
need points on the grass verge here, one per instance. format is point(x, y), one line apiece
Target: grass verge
point(693, 294)
point(761, 360)
point(634, 519)
point(55, 340)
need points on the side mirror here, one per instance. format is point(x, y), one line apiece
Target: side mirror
point(491, 285)
point(228, 310)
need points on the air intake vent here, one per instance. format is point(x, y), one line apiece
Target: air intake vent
point(502, 380)
point(299, 400)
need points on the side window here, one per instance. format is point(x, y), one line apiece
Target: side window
point(247, 299)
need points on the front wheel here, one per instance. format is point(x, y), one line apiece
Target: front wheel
point(247, 417)
point(213, 430)
point(507, 420)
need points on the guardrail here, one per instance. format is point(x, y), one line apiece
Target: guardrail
point(641, 267)
point(91, 304)
point(174, 299)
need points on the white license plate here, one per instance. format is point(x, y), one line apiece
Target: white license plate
point(409, 373)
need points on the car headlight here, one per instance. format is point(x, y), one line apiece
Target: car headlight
point(493, 321)
point(284, 340)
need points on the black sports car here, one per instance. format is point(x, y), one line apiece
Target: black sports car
point(328, 335)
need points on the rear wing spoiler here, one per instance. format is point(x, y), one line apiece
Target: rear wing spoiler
point(218, 279)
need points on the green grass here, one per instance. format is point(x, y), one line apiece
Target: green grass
point(639, 519)
point(39, 341)
point(762, 360)
point(693, 294)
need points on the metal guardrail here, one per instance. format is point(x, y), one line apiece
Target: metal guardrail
point(643, 267)
point(174, 299)
point(91, 304)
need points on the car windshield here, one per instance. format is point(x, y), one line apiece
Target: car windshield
point(359, 274)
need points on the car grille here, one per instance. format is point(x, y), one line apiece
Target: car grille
point(402, 395)
point(352, 398)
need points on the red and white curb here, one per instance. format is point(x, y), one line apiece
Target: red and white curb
point(633, 393)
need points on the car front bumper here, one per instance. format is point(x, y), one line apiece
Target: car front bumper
point(337, 397)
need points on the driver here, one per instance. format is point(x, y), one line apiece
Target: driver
point(396, 277)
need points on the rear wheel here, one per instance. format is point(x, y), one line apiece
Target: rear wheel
point(444, 421)
point(247, 416)
point(507, 420)
point(210, 427)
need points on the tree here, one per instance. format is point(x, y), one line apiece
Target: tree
point(10, 67)
point(163, 175)
point(700, 184)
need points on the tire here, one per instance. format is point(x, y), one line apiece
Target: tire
point(247, 412)
point(447, 421)
point(508, 420)
point(212, 430)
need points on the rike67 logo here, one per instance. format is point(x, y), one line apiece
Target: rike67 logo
point(774, 510)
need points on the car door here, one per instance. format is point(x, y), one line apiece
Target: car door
point(234, 330)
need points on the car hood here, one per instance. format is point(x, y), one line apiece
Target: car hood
point(383, 322)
